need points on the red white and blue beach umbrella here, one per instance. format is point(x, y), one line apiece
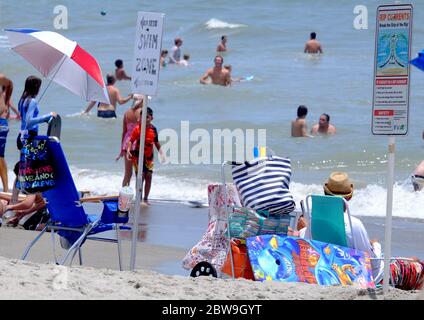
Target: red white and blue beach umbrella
point(61, 60)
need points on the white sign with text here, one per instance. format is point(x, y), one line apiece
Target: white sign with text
point(391, 70)
point(147, 48)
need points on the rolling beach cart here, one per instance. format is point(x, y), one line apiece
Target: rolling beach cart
point(261, 204)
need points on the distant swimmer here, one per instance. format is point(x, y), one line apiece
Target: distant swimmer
point(230, 69)
point(105, 110)
point(323, 126)
point(312, 45)
point(163, 55)
point(417, 177)
point(218, 74)
point(299, 126)
point(175, 56)
point(222, 46)
point(184, 60)
point(120, 72)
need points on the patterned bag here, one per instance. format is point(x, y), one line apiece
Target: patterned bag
point(214, 243)
point(263, 184)
point(36, 170)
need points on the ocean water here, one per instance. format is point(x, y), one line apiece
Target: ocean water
point(265, 39)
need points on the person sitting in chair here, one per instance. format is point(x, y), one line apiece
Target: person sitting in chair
point(30, 213)
point(339, 184)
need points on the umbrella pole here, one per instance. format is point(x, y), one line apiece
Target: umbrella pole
point(139, 184)
point(61, 63)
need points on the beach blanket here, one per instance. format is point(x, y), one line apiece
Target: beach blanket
point(292, 259)
point(213, 245)
point(245, 223)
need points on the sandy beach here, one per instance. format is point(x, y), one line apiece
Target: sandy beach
point(28, 280)
point(158, 274)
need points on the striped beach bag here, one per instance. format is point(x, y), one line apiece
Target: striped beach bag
point(263, 184)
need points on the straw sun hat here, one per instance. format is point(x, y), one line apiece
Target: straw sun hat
point(338, 184)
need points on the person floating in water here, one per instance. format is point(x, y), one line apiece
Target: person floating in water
point(313, 45)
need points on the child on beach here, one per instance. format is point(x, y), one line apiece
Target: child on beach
point(129, 122)
point(151, 138)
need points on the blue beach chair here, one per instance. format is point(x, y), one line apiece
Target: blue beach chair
point(327, 219)
point(67, 215)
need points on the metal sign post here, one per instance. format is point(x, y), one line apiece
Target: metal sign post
point(390, 112)
point(145, 78)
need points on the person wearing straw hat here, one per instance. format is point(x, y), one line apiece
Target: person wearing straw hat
point(339, 184)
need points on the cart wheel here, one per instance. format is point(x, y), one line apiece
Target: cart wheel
point(203, 269)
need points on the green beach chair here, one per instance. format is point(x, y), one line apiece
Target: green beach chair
point(326, 218)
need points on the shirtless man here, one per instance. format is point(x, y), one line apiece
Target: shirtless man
point(218, 74)
point(105, 110)
point(323, 126)
point(299, 127)
point(222, 46)
point(312, 45)
point(120, 72)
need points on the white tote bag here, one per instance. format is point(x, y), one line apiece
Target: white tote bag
point(263, 184)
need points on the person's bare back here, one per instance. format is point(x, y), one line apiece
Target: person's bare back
point(113, 98)
point(299, 128)
point(313, 45)
point(120, 74)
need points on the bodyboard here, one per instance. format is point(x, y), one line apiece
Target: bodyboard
point(54, 127)
point(292, 259)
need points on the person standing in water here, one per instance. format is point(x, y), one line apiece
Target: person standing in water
point(313, 45)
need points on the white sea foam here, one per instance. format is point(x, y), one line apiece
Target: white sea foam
point(218, 24)
point(165, 188)
point(371, 200)
point(368, 201)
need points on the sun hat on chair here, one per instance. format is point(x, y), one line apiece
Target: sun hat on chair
point(338, 184)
